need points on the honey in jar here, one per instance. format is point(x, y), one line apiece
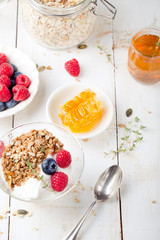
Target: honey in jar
point(82, 113)
point(144, 56)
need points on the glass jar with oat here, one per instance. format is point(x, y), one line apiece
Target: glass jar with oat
point(60, 24)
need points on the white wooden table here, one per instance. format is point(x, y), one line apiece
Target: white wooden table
point(132, 214)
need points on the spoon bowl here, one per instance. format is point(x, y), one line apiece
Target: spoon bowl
point(108, 183)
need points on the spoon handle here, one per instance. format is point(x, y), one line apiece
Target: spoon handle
point(72, 235)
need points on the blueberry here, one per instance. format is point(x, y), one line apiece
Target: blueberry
point(13, 83)
point(15, 74)
point(49, 166)
point(2, 106)
point(14, 67)
point(11, 103)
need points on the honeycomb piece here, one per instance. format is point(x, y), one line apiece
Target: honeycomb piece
point(82, 113)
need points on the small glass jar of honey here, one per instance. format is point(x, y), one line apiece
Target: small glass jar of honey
point(144, 55)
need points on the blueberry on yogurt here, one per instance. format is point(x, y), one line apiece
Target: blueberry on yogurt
point(49, 166)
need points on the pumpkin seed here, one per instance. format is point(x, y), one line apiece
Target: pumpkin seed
point(129, 112)
point(21, 212)
point(42, 149)
point(82, 46)
point(42, 68)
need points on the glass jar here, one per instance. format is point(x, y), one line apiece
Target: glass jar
point(144, 55)
point(60, 28)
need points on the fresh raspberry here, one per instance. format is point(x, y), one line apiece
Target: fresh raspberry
point(72, 67)
point(59, 181)
point(20, 93)
point(63, 159)
point(1, 148)
point(5, 94)
point(5, 80)
point(6, 69)
point(23, 80)
point(3, 58)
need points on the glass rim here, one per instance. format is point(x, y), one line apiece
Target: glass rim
point(149, 28)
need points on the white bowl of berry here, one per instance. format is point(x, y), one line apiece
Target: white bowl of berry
point(19, 81)
point(39, 161)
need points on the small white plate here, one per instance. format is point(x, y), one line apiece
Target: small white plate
point(26, 66)
point(65, 93)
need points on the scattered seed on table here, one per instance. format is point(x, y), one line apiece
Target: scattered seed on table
point(22, 212)
point(82, 46)
point(42, 68)
point(77, 200)
point(129, 112)
point(36, 229)
point(77, 79)
point(82, 187)
point(49, 68)
point(93, 213)
point(121, 125)
point(85, 140)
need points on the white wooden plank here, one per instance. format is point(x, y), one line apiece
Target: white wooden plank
point(8, 34)
point(8, 23)
point(141, 167)
point(140, 186)
point(54, 219)
point(133, 16)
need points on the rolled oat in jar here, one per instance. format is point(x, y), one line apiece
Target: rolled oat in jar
point(59, 24)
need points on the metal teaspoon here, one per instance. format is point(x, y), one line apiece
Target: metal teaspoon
point(106, 187)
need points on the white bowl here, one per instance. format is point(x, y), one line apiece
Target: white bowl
point(26, 66)
point(65, 93)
